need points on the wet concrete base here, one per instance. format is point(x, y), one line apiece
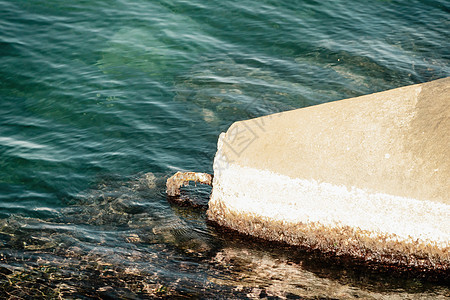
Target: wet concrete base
point(377, 228)
point(342, 267)
point(334, 246)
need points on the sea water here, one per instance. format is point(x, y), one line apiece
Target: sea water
point(101, 101)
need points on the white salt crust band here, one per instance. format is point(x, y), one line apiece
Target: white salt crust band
point(280, 198)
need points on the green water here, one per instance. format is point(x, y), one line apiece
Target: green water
point(100, 101)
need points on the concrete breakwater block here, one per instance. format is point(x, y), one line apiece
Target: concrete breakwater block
point(367, 177)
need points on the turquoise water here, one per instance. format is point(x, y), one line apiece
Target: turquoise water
point(101, 101)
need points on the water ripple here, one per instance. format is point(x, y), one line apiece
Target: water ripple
point(101, 101)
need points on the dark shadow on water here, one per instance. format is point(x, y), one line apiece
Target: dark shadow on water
point(345, 270)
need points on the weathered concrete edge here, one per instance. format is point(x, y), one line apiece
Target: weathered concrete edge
point(341, 238)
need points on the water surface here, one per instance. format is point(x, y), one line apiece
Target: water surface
point(102, 100)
